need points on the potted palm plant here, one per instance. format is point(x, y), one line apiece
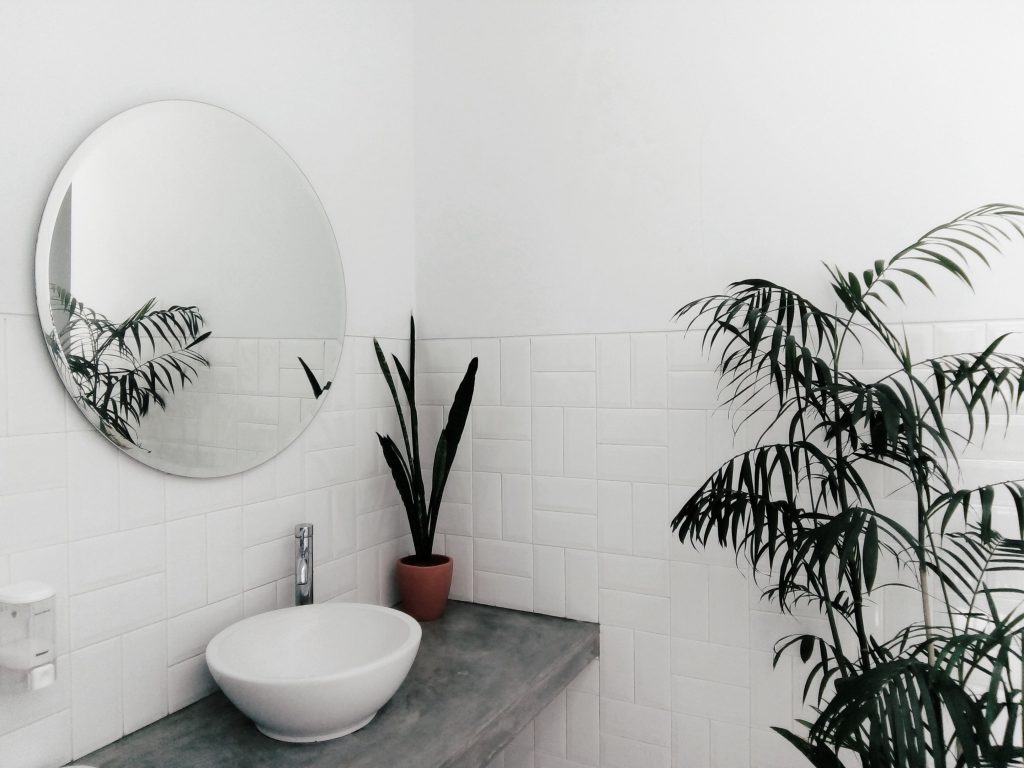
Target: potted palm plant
point(946, 690)
point(424, 579)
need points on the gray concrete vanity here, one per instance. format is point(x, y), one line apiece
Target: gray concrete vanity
point(481, 675)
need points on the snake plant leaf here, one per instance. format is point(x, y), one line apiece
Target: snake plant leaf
point(439, 474)
point(409, 385)
point(384, 369)
point(313, 383)
point(400, 473)
point(439, 478)
point(452, 433)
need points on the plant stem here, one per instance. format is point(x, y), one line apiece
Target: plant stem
point(830, 613)
point(858, 615)
point(926, 602)
point(830, 610)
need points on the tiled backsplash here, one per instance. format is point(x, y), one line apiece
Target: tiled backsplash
point(148, 567)
point(578, 451)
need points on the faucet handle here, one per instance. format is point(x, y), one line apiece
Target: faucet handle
point(303, 530)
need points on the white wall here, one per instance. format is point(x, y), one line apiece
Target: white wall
point(590, 166)
point(580, 167)
point(148, 566)
point(583, 169)
point(330, 83)
point(195, 207)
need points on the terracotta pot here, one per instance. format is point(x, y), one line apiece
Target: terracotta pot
point(424, 586)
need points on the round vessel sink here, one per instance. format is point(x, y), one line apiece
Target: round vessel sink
point(314, 672)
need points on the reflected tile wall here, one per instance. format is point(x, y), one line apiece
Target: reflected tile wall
point(252, 399)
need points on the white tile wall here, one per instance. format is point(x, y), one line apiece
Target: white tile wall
point(577, 453)
point(149, 567)
point(608, 435)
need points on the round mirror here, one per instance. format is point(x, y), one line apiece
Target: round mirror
point(190, 289)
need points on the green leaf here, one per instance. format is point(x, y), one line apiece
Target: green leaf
point(409, 385)
point(403, 482)
point(384, 369)
point(807, 643)
point(313, 383)
point(439, 474)
point(451, 435)
point(871, 554)
point(802, 512)
point(817, 755)
point(196, 341)
point(987, 495)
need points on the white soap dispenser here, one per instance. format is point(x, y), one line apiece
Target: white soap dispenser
point(27, 633)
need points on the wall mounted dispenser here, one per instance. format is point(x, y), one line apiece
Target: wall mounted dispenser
point(27, 633)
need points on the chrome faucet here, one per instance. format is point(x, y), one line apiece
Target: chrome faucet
point(304, 564)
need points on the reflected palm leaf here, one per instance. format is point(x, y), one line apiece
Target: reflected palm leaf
point(313, 383)
point(116, 371)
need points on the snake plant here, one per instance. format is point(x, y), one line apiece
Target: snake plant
point(406, 468)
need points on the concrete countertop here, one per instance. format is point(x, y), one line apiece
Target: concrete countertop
point(481, 675)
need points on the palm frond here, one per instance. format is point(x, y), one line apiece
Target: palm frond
point(773, 340)
point(976, 381)
point(949, 247)
point(949, 502)
point(803, 510)
point(116, 372)
point(755, 504)
point(818, 755)
point(895, 713)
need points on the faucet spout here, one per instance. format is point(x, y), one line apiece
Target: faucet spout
point(304, 564)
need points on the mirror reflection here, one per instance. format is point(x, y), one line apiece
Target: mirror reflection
point(190, 289)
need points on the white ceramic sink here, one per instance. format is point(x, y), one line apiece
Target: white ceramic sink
point(314, 672)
